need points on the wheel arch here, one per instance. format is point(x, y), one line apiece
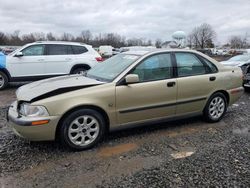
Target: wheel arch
point(225, 93)
point(6, 72)
point(92, 107)
point(85, 66)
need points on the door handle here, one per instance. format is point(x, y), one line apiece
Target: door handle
point(40, 59)
point(171, 84)
point(212, 78)
point(68, 59)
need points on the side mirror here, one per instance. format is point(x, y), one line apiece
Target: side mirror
point(19, 54)
point(132, 78)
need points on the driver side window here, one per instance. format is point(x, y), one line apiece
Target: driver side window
point(35, 50)
point(157, 67)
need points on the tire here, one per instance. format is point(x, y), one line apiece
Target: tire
point(3, 80)
point(76, 134)
point(79, 71)
point(217, 102)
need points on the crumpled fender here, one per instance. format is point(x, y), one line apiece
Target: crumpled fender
point(2, 61)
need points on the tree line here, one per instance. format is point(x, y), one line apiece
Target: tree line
point(113, 39)
point(200, 37)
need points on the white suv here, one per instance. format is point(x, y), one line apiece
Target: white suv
point(40, 60)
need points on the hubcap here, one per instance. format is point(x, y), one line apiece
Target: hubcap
point(1, 81)
point(83, 130)
point(216, 108)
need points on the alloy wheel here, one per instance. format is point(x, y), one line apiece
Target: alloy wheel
point(217, 107)
point(83, 130)
point(1, 81)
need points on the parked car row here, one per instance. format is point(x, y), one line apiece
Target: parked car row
point(40, 60)
point(129, 89)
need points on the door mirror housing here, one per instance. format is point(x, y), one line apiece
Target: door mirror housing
point(132, 78)
point(19, 54)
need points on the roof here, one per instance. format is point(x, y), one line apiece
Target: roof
point(159, 50)
point(59, 42)
point(140, 53)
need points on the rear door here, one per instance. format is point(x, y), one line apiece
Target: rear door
point(153, 97)
point(30, 64)
point(58, 59)
point(196, 81)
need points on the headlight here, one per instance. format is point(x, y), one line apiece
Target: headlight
point(33, 111)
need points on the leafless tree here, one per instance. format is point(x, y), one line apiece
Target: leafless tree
point(50, 37)
point(236, 42)
point(86, 36)
point(27, 38)
point(3, 38)
point(67, 37)
point(202, 36)
point(190, 40)
point(158, 43)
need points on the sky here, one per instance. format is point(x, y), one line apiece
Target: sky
point(149, 19)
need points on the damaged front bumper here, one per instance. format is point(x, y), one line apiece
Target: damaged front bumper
point(28, 127)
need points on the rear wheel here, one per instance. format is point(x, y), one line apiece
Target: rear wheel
point(216, 108)
point(82, 129)
point(79, 71)
point(3, 80)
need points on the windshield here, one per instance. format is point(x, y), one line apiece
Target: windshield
point(112, 67)
point(240, 58)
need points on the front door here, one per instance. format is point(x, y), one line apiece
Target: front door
point(153, 97)
point(30, 64)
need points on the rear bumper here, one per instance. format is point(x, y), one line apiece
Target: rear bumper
point(22, 126)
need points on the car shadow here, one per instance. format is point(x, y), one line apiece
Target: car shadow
point(177, 126)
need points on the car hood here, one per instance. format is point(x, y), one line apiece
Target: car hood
point(232, 63)
point(54, 86)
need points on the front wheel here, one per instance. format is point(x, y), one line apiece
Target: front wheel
point(216, 108)
point(3, 80)
point(82, 129)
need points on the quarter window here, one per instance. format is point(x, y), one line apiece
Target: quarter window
point(210, 65)
point(189, 65)
point(157, 67)
point(55, 49)
point(79, 49)
point(34, 50)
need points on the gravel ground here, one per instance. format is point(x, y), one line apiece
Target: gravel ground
point(186, 153)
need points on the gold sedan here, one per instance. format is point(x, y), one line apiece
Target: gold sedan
point(129, 89)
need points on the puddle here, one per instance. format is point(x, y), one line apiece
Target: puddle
point(191, 129)
point(181, 131)
point(116, 150)
point(182, 154)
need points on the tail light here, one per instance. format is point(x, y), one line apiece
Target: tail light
point(99, 59)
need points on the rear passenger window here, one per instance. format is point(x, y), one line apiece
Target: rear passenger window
point(57, 49)
point(157, 67)
point(79, 49)
point(189, 65)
